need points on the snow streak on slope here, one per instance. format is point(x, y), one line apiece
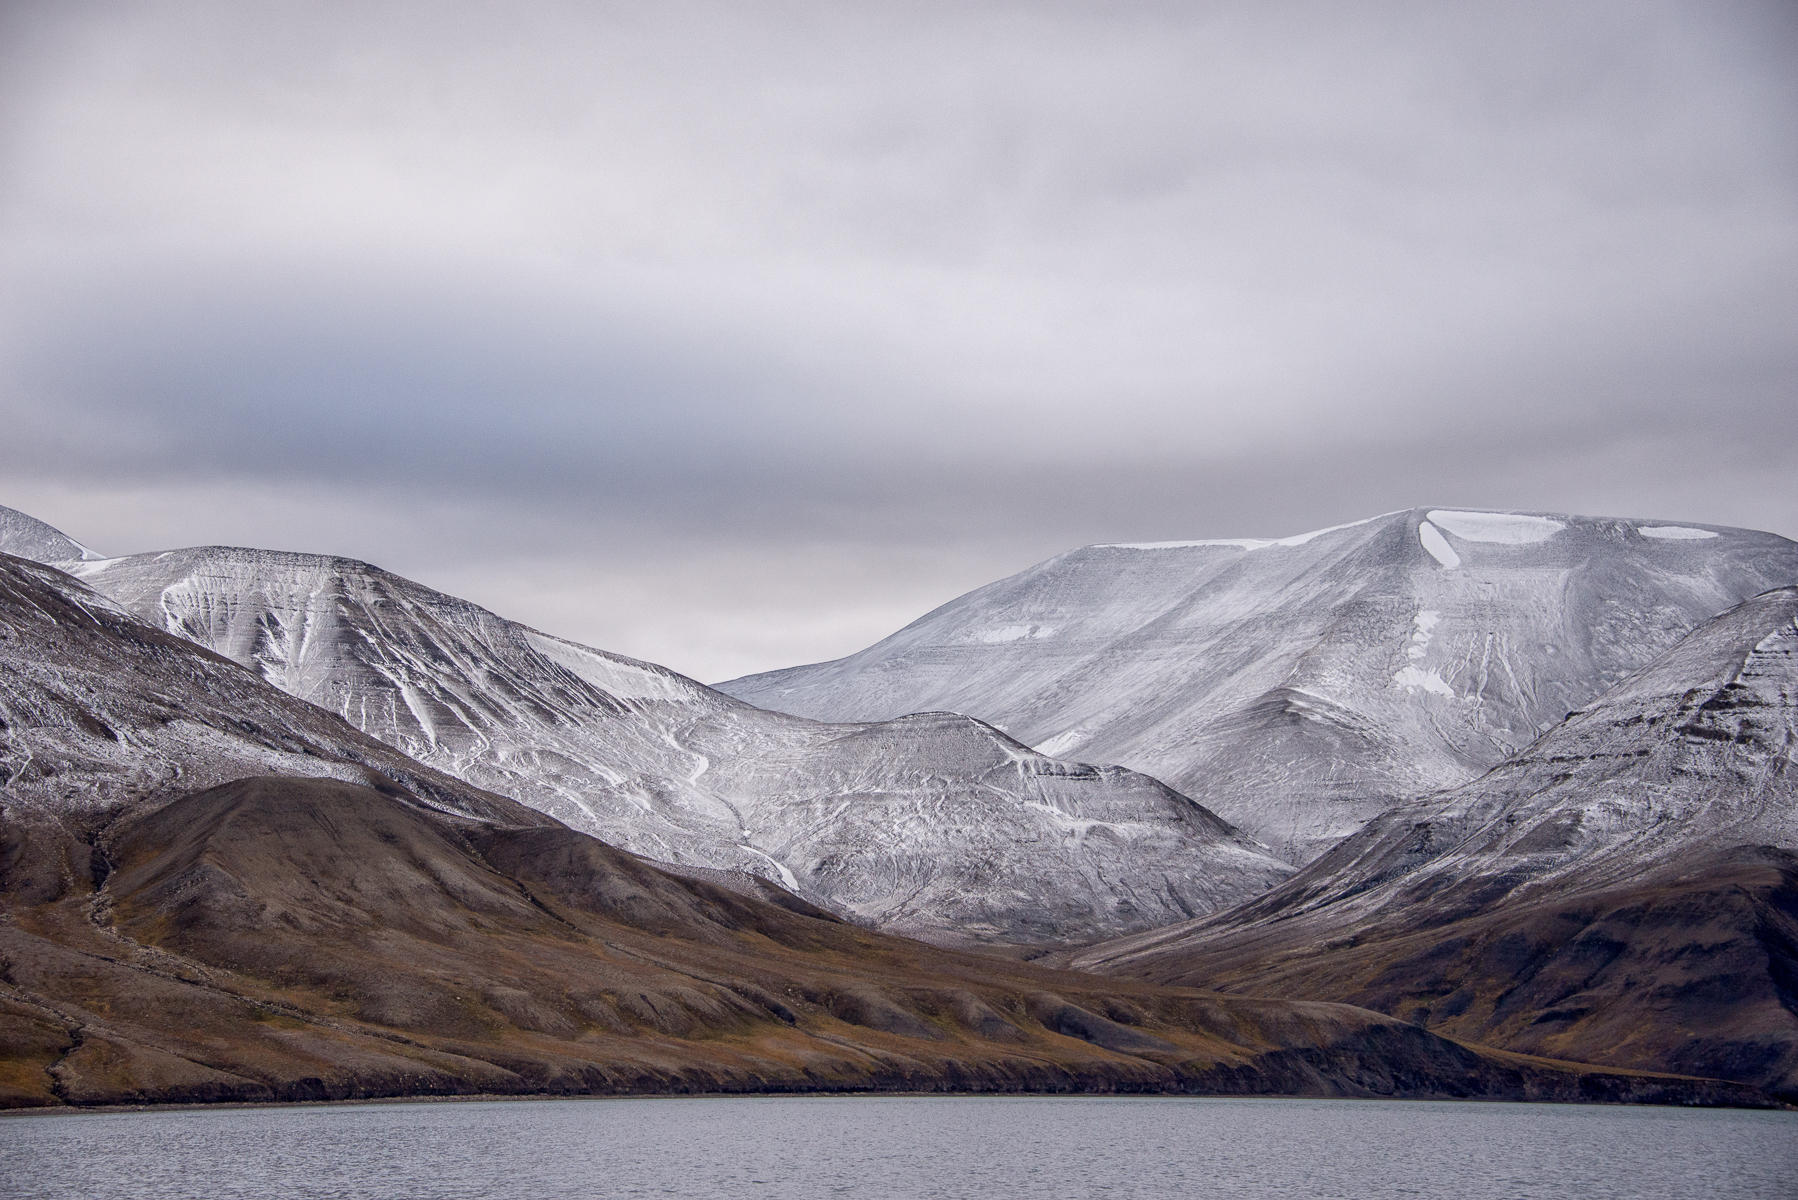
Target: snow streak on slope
point(935, 824)
point(1283, 683)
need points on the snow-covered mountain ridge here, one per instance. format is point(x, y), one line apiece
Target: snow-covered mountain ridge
point(1301, 686)
point(936, 824)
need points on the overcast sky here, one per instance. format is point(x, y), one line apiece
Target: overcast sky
point(737, 335)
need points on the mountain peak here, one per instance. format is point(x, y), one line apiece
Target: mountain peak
point(24, 536)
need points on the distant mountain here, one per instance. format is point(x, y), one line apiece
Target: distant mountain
point(27, 537)
point(934, 825)
point(345, 923)
point(1625, 890)
point(1301, 686)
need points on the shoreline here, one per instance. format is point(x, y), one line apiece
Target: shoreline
point(1772, 1104)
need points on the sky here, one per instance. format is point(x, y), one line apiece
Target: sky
point(738, 335)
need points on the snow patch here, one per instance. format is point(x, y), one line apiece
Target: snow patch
point(1437, 545)
point(1511, 529)
point(1681, 533)
point(1066, 740)
point(1069, 824)
point(622, 678)
point(1011, 633)
point(1423, 628)
point(786, 877)
point(1234, 543)
point(1297, 539)
point(1412, 678)
point(86, 568)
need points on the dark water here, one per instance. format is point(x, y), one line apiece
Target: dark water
point(878, 1147)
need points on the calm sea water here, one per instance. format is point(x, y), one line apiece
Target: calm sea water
point(877, 1147)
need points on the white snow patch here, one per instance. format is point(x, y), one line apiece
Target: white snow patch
point(786, 877)
point(1065, 740)
point(1512, 529)
point(83, 555)
point(1437, 545)
point(1682, 533)
point(1012, 633)
point(623, 678)
point(86, 568)
point(1235, 543)
point(1411, 678)
point(1076, 826)
point(1297, 539)
point(1423, 629)
point(415, 701)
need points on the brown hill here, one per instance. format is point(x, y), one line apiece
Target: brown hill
point(290, 939)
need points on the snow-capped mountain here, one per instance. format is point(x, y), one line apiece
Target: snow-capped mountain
point(1301, 686)
point(935, 824)
point(1624, 890)
point(1692, 754)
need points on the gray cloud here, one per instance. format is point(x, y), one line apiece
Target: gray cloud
point(731, 335)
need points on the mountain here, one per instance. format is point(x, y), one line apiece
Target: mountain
point(1301, 686)
point(1625, 890)
point(934, 824)
point(341, 923)
point(100, 712)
